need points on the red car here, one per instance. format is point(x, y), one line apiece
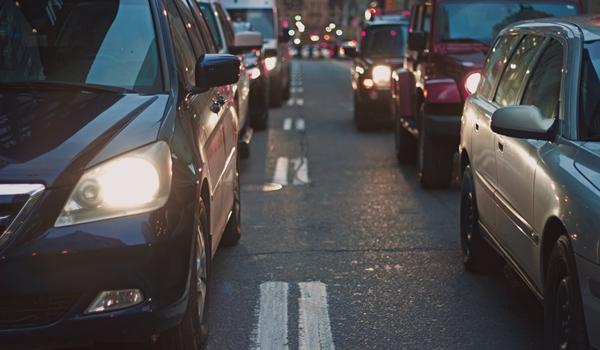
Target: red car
point(447, 45)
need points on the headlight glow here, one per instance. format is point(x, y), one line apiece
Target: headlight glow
point(271, 63)
point(472, 82)
point(382, 76)
point(136, 182)
point(253, 73)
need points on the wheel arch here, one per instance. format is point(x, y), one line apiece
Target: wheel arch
point(553, 229)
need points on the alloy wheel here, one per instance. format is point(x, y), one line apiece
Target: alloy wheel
point(201, 273)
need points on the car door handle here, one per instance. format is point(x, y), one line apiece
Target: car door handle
point(221, 100)
point(501, 146)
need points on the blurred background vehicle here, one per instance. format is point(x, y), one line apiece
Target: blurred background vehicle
point(258, 74)
point(226, 39)
point(443, 62)
point(380, 52)
point(264, 17)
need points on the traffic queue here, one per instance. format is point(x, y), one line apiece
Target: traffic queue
point(504, 106)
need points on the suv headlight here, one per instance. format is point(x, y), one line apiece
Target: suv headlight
point(382, 75)
point(271, 63)
point(133, 183)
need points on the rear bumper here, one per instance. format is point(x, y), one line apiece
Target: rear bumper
point(375, 104)
point(443, 127)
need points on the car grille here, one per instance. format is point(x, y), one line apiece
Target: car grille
point(29, 311)
point(15, 200)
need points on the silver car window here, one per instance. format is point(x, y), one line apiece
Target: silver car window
point(495, 63)
point(543, 89)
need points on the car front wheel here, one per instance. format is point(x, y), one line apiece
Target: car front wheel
point(564, 323)
point(233, 231)
point(406, 145)
point(192, 332)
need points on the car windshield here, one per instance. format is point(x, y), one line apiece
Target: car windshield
point(98, 42)
point(385, 42)
point(456, 21)
point(261, 20)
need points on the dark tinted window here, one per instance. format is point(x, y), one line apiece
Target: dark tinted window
point(495, 62)
point(225, 24)
point(590, 91)
point(192, 27)
point(211, 19)
point(483, 20)
point(184, 52)
point(543, 89)
point(262, 20)
point(516, 71)
point(385, 42)
point(108, 42)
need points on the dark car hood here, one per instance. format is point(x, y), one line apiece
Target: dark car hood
point(50, 136)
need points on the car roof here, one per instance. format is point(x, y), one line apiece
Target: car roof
point(386, 22)
point(589, 25)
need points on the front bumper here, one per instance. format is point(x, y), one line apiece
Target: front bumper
point(72, 265)
point(375, 104)
point(589, 282)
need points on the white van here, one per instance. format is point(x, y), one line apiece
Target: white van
point(263, 16)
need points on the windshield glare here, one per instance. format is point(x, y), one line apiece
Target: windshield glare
point(260, 19)
point(101, 42)
point(482, 21)
point(385, 42)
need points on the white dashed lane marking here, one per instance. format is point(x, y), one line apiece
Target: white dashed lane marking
point(314, 326)
point(272, 328)
point(291, 171)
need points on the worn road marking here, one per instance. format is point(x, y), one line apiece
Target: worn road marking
point(287, 124)
point(272, 329)
point(314, 326)
point(300, 171)
point(291, 101)
point(300, 124)
point(281, 171)
point(300, 101)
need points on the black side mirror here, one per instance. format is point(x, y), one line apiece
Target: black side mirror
point(524, 122)
point(351, 51)
point(417, 41)
point(214, 70)
point(284, 36)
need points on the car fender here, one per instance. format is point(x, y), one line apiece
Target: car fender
point(404, 92)
point(441, 91)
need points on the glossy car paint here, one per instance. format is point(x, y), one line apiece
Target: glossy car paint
point(531, 188)
point(56, 136)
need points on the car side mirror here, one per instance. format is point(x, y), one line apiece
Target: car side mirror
point(284, 36)
point(351, 51)
point(214, 70)
point(245, 42)
point(417, 41)
point(524, 122)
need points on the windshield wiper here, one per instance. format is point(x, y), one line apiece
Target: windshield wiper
point(63, 85)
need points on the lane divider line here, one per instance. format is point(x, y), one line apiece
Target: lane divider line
point(287, 124)
point(300, 171)
point(300, 101)
point(281, 171)
point(300, 124)
point(272, 329)
point(314, 325)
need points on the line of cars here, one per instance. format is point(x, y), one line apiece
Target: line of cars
point(121, 127)
point(520, 104)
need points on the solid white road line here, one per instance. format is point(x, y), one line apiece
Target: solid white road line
point(272, 328)
point(300, 171)
point(300, 124)
point(314, 325)
point(281, 171)
point(287, 124)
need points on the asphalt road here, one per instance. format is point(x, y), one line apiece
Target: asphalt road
point(350, 253)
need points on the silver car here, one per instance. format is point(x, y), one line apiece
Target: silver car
point(530, 160)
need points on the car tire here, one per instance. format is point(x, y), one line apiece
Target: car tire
point(192, 332)
point(261, 123)
point(435, 160)
point(406, 144)
point(477, 254)
point(359, 120)
point(564, 322)
point(233, 230)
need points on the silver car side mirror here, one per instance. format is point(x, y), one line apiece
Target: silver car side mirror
point(524, 122)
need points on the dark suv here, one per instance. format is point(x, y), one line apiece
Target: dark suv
point(118, 171)
point(442, 68)
point(381, 51)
